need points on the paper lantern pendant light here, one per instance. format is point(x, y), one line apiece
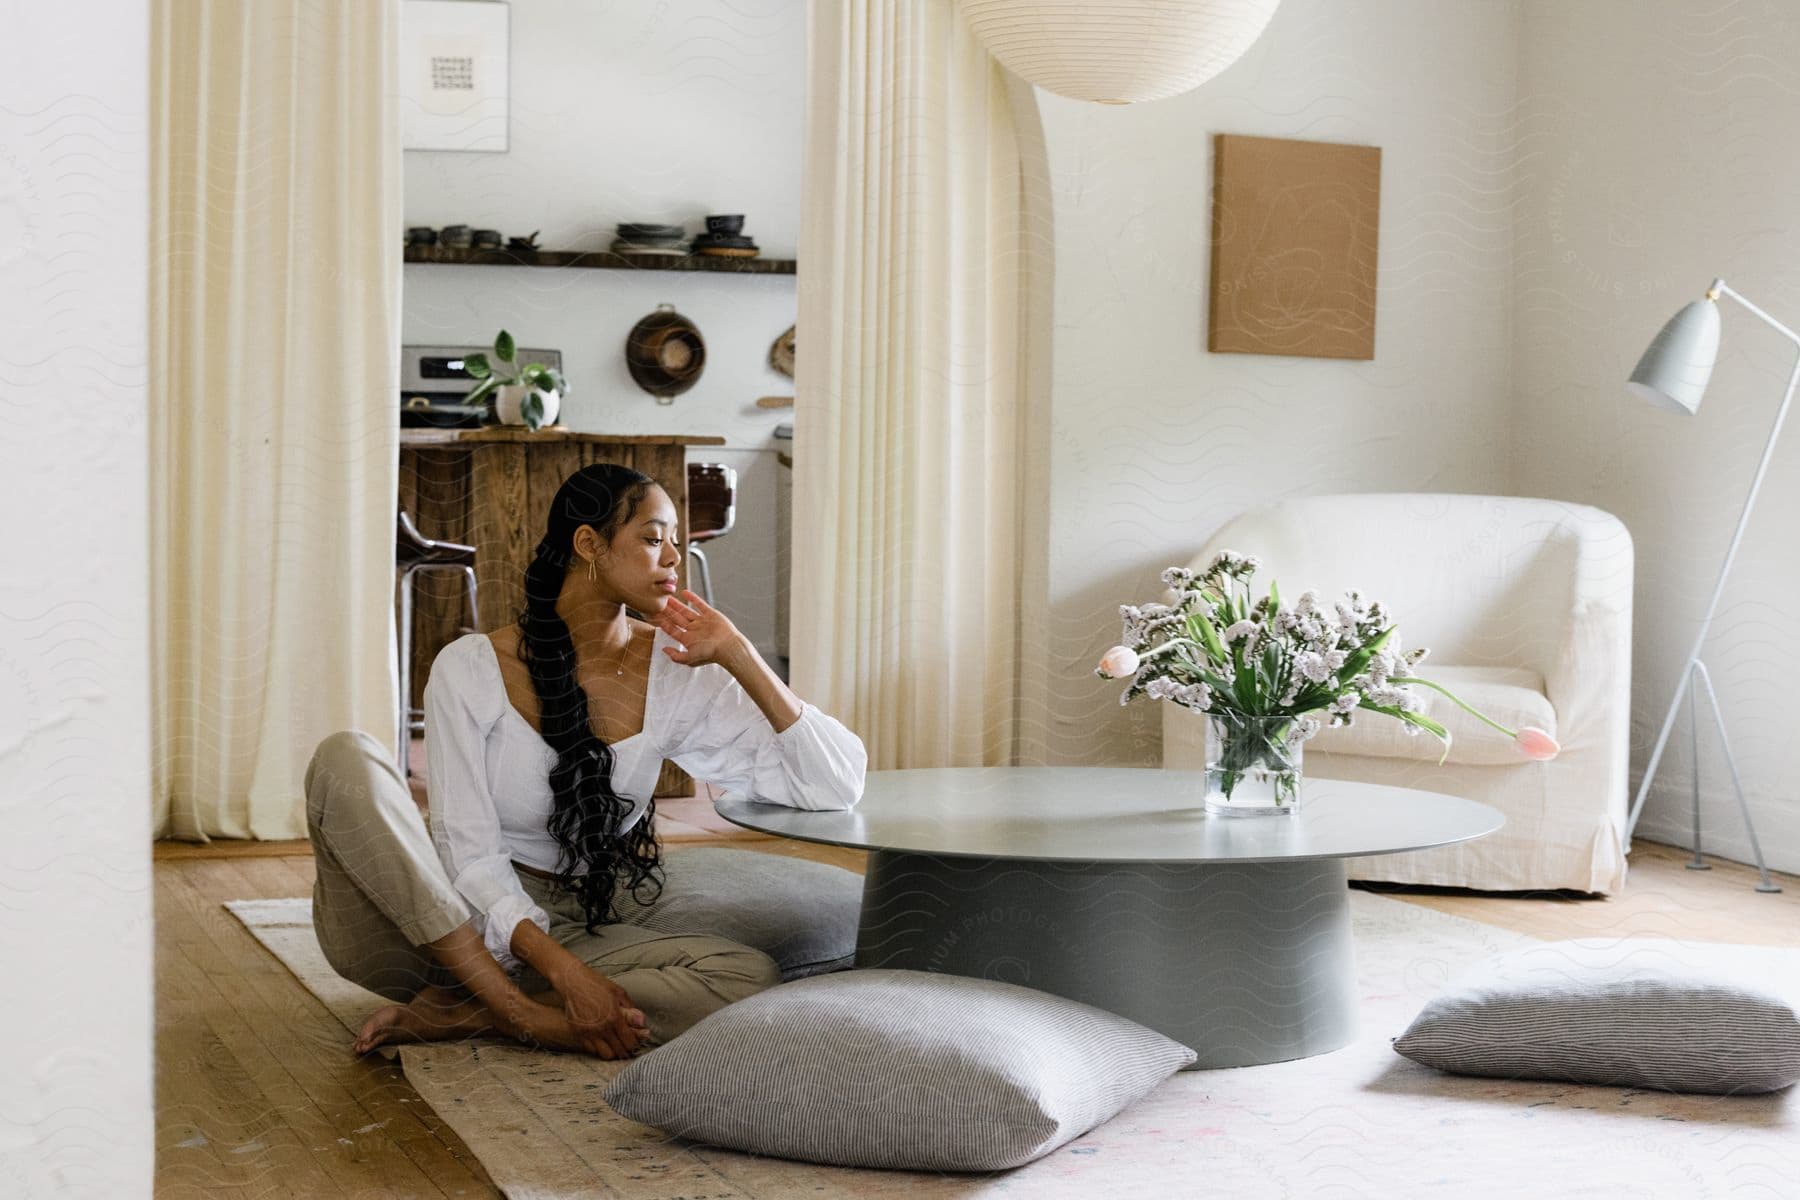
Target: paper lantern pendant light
point(1117, 51)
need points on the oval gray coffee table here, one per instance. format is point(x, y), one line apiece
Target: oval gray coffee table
point(1112, 886)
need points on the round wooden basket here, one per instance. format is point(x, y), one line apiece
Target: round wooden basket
point(665, 353)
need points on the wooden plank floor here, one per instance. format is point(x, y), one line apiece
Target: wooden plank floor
point(259, 1096)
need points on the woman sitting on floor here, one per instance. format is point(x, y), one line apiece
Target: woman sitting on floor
point(543, 744)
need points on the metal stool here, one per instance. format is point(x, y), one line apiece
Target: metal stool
point(415, 552)
point(712, 511)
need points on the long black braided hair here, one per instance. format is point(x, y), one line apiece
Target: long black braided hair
point(587, 813)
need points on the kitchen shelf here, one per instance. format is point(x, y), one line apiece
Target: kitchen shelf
point(602, 259)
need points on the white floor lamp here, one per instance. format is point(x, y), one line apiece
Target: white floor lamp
point(1673, 375)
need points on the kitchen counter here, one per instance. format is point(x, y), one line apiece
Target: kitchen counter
point(491, 488)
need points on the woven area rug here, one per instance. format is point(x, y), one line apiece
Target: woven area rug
point(1358, 1122)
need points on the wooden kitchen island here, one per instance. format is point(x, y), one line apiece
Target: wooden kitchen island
point(491, 488)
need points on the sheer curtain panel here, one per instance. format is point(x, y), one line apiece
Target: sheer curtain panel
point(914, 421)
point(275, 323)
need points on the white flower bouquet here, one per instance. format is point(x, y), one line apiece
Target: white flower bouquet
point(1268, 674)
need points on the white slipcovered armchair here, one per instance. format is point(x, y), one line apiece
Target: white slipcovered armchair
point(1526, 608)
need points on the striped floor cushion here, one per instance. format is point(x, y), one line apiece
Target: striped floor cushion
point(1633, 1012)
point(901, 1069)
point(801, 914)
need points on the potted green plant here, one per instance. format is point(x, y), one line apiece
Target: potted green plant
point(528, 394)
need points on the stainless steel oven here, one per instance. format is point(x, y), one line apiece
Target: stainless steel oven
point(433, 383)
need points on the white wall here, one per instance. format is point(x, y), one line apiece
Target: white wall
point(1657, 154)
point(630, 111)
point(75, 1063)
point(1156, 442)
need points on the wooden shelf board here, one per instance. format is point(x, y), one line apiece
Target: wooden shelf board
point(419, 435)
point(602, 259)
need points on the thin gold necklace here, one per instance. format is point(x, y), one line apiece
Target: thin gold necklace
point(623, 655)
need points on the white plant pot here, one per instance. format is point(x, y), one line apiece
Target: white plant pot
point(508, 399)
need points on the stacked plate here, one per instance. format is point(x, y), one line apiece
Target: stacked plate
point(650, 239)
point(724, 238)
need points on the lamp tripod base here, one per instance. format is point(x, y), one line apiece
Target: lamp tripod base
point(1697, 679)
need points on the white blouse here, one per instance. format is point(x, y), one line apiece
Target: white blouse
point(489, 770)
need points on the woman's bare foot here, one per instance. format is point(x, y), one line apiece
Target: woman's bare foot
point(434, 1015)
point(446, 1014)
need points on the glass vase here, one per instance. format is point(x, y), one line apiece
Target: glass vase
point(1253, 765)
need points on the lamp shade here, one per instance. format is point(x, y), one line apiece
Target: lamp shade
point(1674, 371)
point(1117, 51)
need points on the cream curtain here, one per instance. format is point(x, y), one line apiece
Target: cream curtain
point(275, 319)
point(919, 444)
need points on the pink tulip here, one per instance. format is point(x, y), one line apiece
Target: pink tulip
point(1535, 744)
point(1119, 662)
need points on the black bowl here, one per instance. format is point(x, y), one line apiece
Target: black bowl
point(730, 224)
point(639, 231)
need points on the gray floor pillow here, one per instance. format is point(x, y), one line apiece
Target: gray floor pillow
point(802, 914)
point(904, 1069)
point(1648, 1013)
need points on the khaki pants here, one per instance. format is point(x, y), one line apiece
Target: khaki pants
point(382, 893)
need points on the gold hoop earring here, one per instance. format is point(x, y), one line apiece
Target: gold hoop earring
point(593, 571)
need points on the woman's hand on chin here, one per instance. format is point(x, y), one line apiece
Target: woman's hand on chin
point(706, 634)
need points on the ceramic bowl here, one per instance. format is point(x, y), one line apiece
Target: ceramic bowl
point(643, 232)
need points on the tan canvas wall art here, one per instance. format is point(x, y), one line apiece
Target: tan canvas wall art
point(1294, 236)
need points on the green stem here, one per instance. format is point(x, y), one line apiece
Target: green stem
point(1454, 699)
point(1248, 746)
point(1171, 644)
